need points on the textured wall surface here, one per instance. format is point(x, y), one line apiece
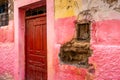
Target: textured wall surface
point(105, 41)
point(65, 31)
point(106, 59)
point(67, 8)
point(7, 54)
point(106, 32)
point(7, 58)
point(7, 51)
point(7, 33)
point(106, 46)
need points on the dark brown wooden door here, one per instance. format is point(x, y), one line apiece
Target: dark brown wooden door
point(36, 50)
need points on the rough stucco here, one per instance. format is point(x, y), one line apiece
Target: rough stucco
point(67, 8)
point(7, 56)
point(106, 32)
point(66, 72)
point(101, 10)
point(7, 51)
point(7, 33)
point(64, 27)
point(64, 32)
point(104, 42)
point(106, 60)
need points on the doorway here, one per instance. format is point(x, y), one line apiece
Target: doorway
point(36, 44)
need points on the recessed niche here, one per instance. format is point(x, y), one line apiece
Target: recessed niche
point(83, 30)
point(77, 51)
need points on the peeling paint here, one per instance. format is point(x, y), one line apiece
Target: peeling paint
point(102, 10)
point(66, 8)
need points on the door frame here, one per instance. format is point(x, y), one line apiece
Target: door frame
point(32, 17)
point(21, 37)
point(19, 33)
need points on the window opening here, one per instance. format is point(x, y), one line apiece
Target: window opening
point(36, 11)
point(4, 13)
point(83, 31)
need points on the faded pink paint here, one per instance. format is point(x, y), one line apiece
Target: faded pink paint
point(106, 59)
point(7, 49)
point(106, 32)
point(64, 29)
point(105, 44)
point(66, 72)
point(7, 58)
point(64, 32)
point(7, 33)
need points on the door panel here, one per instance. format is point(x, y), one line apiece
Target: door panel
point(36, 48)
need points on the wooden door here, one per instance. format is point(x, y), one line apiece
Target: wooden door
point(36, 49)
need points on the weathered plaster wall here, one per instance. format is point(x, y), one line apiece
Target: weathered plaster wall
point(7, 33)
point(105, 31)
point(7, 57)
point(105, 39)
point(7, 50)
point(65, 16)
point(104, 42)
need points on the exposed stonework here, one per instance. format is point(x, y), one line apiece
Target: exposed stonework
point(110, 1)
point(77, 51)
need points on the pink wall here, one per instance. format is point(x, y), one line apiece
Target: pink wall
point(105, 43)
point(106, 46)
point(64, 32)
point(7, 59)
point(7, 33)
point(7, 49)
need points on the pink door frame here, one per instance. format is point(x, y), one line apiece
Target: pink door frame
point(20, 6)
